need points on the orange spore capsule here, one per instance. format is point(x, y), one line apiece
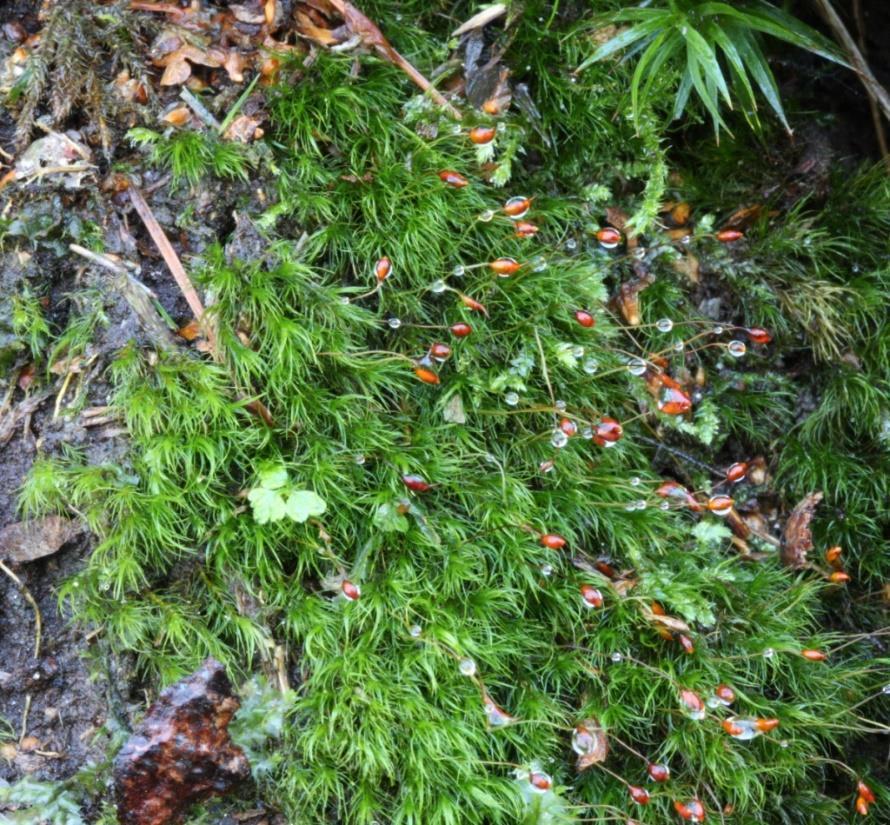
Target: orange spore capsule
point(482, 134)
point(720, 505)
point(416, 483)
point(552, 541)
point(671, 489)
point(692, 700)
point(460, 330)
point(673, 400)
point(692, 810)
point(657, 609)
point(766, 725)
point(517, 207)
point(839, 577)
point(865, 792)
point(382, 268)
point(686, 643)
point(832, 554)
point(568, 426)
point(425, 375)
point(725, 694)
point(861, 806)
point(758, 335)
point(525, 229)
point(583, 317)
point(729, 235)
point(473, 304)
point(732, 728)
point(592, 597)
point(540, 781)
point(453, 179)
point(736, 472)
point(609, 237)
point(813, 655)
point(505, 266)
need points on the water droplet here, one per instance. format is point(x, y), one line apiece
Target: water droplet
point(547, 466)
point(577, 351)
point(538, 264)
point(467, 667)
point(665, 505)
point(502, 127)
point(458, 271)
point(456, 129)
point(394, 323)
point(547, 570)
point(617, 657)
point(415, 631)
point(560, 404)
point(769, 653)
point(559, 439)
point(678, 346)
point(486, 216)
point(713, 702)
point(359, 459)
point(345, 300)
point(783, 743)
point(664, 324)
point(511, 399)
point(587, 433)
point(630, 506)
point(590, 366)
point(517, 207)
point(641, 504)
point(736, 348)
point(571, 245)
point(886, 690)
point(438, 287)
point(635, 481)
point(718, 330)
point(636, 366)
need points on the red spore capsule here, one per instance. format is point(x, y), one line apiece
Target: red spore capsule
point(473, 304)
point(691, 810)
point(671, 489)
point(766, 725)
point(482, 134)
point(833, 554)
point(453, 179)
point(552, 541)
point(416, 483)
point(758, 335)
point(609, 237)
point(351, 592)
point(658, 773)
point(525, 229)
point(460, 330)
point(736, 472)
point(540, 781)
point(865, 792)
point(686, 643)
point(725, 694)
point(607, 432)
point(583, 317)
point(638, 794)
point(729, 235)
point(568, 426)
point(839, 577)
point(672, 399)
point(440, 351)
point(591, 596)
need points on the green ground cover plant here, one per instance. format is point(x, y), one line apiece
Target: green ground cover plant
point(485, 512)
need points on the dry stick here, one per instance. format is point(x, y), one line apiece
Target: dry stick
point(175, 266)
point(874, 89)
point(872, 105)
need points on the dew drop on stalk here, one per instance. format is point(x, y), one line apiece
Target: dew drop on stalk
point(617, 657)
point(547, 570)
point(664, 324)
point(718, 330)
point(359, 459)
point(665, 505)
point(587, 433)
point(414, 631)
point(636, 366)
point(590, 366)
point(467, 667)
point(679, 346)
point(345, 300)
point(630, 506)
point(640, 504)
point(559, 439)
point(571, 245)
point(486, 216)
point(635, 481)
point(886, 690)
point(736, 348)
point(547, 466)
point(511, 399)
point(438, 287)
point(458, 271)
point(769, 653)
point(577, 351)
point(538, 264)
point(394, 323)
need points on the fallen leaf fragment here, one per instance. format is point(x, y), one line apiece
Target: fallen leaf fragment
point(34, 539)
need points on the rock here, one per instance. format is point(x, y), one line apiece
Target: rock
point(180, 753)
point(30, 540)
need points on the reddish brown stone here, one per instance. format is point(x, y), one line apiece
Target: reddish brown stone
point(181, 752)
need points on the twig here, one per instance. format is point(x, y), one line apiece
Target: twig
point(199, 108)
point(38, 619)
point(175, 266)
point(872, 105)
point(874, 89)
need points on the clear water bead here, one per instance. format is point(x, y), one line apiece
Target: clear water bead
point(345, 300)
point(359, 459)
point(415, 630)
point(456, 129)
point(635, 481)
point(438, 287)
point(577, 351)
point(665, 505)
point(640, 504)
point(547, 570)
point(664, 324)
point(617, 657)
point(736, 348)
point(590, 366)
point(587, 433)
point(560, 404)
point(486, 216)
point(394, 323)
point(630, 506)
point(538, 264)
point(571, 245)
point(458, 271)
point(637, 366)
point(511, 399)
point(678, 346)
point(467, 666)
point(718, 330)
point(769, 653)
point(559, 439)
point(886, 690)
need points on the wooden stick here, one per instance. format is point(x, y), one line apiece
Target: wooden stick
point(880, 133)
point(38, 619)
point(175, 266)
point(872, 87)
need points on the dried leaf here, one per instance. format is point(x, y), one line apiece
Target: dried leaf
point(34, 539)
point(189, 331)
point(599, 744)
point(454, 410)
point(178, 117)
point(177, 71)
point(244, 129)
point(670, 622)
point(798, 540)
point(689, 266)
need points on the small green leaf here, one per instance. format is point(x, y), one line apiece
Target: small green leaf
point(388, 519)
point(301, 504)
point(268, 505)
point(274, 478)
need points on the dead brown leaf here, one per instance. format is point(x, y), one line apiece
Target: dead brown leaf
point(670, 622)
point(598, 748)
point(26, 541)
point(798, 540)
point(689, 266)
